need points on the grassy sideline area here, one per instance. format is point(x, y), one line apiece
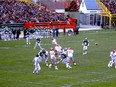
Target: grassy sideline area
point(91, 70)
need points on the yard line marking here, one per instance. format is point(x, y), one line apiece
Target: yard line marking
point(94, 80)
point(29, 82)
point(4, 47)
point(66, 85)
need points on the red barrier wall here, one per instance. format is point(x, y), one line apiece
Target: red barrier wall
point(59, 24)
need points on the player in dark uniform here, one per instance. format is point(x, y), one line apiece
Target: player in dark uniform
point(85, 45)
point(38, 43)
point(44, 55)
point(28, 37)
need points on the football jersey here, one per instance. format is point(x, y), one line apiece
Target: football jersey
point(52, 54)
point(113, 55)
point(70, 53)
point(85, 42)
point(58, 48)
point(37, 60)
point(38, 40)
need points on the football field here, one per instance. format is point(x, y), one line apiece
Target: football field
point(16, 64)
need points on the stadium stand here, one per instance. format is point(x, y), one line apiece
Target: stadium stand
point(111, 5)
point(13, 11)
point(30, 14)
point(109, 8)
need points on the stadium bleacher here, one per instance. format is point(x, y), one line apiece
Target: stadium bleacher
point(13, 11)
point(111, 5)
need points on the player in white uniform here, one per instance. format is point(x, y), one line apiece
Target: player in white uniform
point(36, 62)
point(53, 59)
point(113, 58)
point(58, 49)
point(54, 42)
point(70, 53)
point(85, 45)
point(38, 43)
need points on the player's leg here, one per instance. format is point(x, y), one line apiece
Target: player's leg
point(68, 63)
point(35, 45)
point(86, 50)
point(46, 60)
point(59, 59)
point(56, 68)
point(38, 68)
point(50, 65)
point(110, 63)
point(64, 61)
point(83, 50)
point(55, 64)
point(115, 63)
point(39, 45)
point(73, 61)
point(27, 40)
point(35, 69)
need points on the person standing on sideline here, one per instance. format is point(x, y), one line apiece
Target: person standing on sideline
point(57, 31)
point(85, 45)
point(54, 32)
point(28, 37)
point(18, 34)
point(38, 43)
point(36, 63)
point(77, 30)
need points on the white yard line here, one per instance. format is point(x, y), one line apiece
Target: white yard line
point(29, 82)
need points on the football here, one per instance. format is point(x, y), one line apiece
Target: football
point(96, 43)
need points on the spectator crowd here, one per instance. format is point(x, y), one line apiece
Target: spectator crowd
point(111, 5)
point(14, 11)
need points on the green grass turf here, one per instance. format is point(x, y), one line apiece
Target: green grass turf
point(91, 70)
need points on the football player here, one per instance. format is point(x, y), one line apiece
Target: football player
point(38, 43)
point(65, 58)
point(36, 62)
point(58, 48)
point(54, 42)
point(28, 37)
point(53, 59)
point(85, 45)
point(113, 58)
point(44, 54)
point(70, 53)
